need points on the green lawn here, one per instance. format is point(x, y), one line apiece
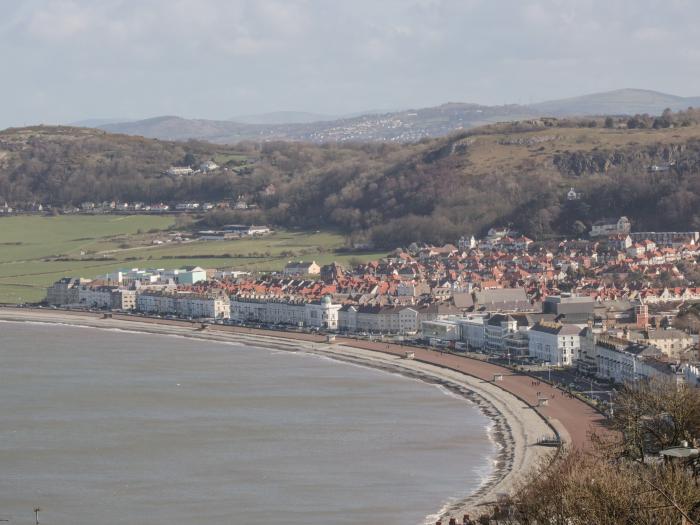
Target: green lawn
point(32, 237)
point(123, 242)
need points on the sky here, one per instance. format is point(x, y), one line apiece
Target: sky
point(69, 60)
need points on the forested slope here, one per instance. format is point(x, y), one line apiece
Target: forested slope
point(433, 190)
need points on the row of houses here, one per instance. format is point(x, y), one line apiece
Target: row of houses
point(289, 311)
point(159, 298)
point(184, 304)
point(551, 338)
point(514, 335)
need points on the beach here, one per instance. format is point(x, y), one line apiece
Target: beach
point(508, 402)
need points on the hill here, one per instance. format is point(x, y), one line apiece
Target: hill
point(97, 122)
point(618, 102)
point(282, 117)
point(403, 126)
point(178, 128)
point(434, 190)
point(67, 165)
point(397, 126)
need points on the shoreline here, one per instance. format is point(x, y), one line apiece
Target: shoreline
point(513, 431)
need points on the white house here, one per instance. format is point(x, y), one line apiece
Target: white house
point(558, 344)
point(156, 302)
point(472, 331)
point(373, 318)
point(611, 227)
point(496, 328)
point(443, 330)
point(64, 291)
point(621, 361)
point(95, 296)
point(206, 167)
point(217, 306)
point(180, 170)
point(302, 268)
point(322, 314)
point(466, 243)
point(347, 318)
point(315, 314)
point(185, 304)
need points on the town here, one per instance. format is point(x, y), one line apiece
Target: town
point(617, 306)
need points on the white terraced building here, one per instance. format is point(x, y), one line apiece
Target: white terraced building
point(291, 311)
point(96, 296)
point(64, 291)
point(386, 319)
point(555, 343)
point(622, 361)
point(185, 304)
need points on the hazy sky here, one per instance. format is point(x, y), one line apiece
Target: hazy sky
point(65, 60)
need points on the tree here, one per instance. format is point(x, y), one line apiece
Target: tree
point(656, 414)
point(579, 228)
point(614, 484)
point(581, 489)
point(189, 159)
point(609, 122)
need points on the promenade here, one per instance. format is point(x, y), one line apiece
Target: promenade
point(570, 414)
point(571, 417)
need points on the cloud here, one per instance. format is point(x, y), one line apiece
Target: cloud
point(216, 58)
point(59, 20)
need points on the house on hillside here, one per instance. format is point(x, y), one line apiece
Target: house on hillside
point(206, 167)
point(605, 227)
point(178, 171)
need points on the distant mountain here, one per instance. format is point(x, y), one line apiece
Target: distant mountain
point(402, 126)
point(97, 122)
point(178, 128)
point(618, 102)
point(283, 117)
point(396, 126)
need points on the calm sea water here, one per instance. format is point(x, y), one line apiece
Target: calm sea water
point(106, 427)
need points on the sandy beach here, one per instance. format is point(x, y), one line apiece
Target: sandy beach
point(509, 403)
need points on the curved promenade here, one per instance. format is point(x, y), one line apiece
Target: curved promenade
point(573, 418)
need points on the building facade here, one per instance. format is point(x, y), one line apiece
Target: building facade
point(555, 343)
point(296, 312)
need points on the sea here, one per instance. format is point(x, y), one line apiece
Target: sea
point(113, 427)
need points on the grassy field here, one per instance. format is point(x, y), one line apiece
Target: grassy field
point(31, 249)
